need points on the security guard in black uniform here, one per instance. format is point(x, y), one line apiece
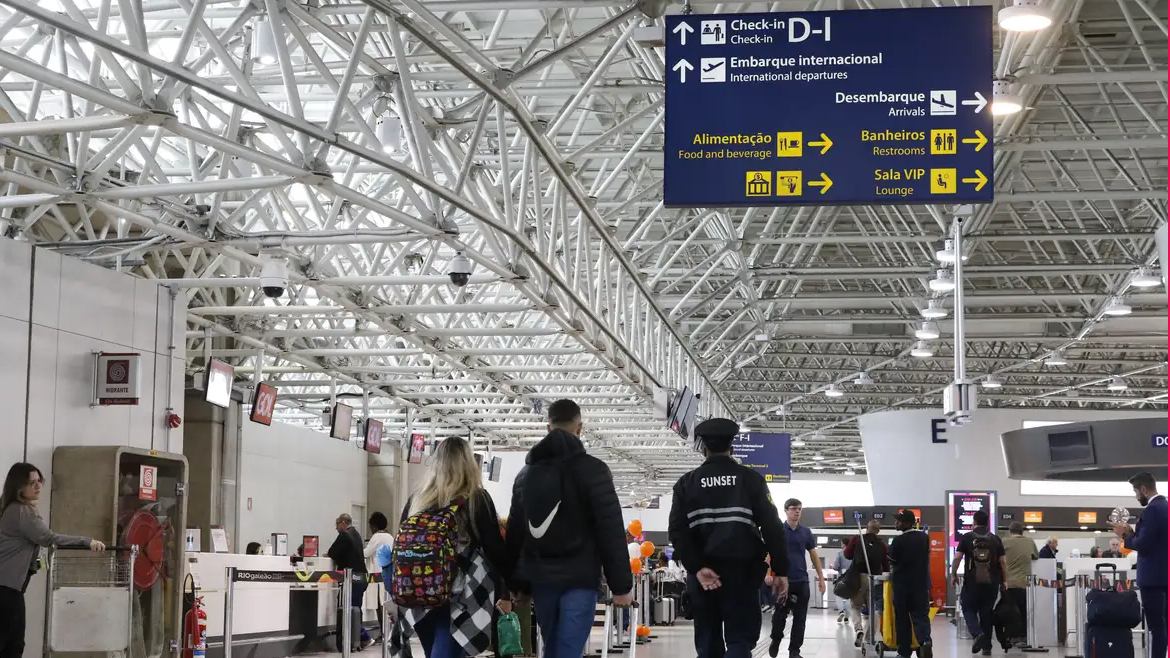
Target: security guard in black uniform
point(720, 512)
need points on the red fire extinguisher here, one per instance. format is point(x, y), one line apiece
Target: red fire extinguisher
point(195, 627)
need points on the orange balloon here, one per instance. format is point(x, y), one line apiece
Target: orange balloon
point(635, 527)
point(647, 548)
point(635, 565)
point(643, 631)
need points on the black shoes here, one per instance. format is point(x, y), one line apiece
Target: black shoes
point(774, 647)
point(926, 650)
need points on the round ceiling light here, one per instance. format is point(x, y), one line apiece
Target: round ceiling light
point(934, 310)
point(1024, 16)
point(928, 331)
point(1117, 308)
point(1117, 384)
point(943, 281)
point(1144, 278)
point(922, 350)
point(833, 391)
point(1004, 102)
point(1056, 359)
point(991, 382)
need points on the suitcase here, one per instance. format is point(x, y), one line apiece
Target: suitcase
point(1108, 642)
point(1110, 608)
point(665, 611)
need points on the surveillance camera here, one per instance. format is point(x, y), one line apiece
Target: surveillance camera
point(274, 277)
point(460, 270)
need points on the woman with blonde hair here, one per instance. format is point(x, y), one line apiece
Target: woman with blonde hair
point(456, 629)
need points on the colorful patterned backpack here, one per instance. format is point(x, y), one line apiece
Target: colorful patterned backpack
point(425, 553)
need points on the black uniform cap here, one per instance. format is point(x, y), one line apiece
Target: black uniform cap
point(717, 433)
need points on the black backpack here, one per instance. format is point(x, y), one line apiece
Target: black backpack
point(982, 558)
point(553, 509)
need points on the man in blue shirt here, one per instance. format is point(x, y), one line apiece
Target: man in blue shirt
point(1149, 541)
point(800, 542)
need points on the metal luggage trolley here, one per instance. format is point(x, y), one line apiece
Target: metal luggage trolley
point(873, 632)
point(91, 600)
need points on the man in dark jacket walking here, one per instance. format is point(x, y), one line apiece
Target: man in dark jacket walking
point(565, 526)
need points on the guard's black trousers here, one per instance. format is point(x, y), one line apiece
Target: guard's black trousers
point(911, 615)
point(727, 620)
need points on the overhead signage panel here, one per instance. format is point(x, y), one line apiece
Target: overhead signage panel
point(886, 106)
point(768, 454)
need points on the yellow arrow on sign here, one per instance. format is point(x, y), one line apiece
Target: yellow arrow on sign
point(979, 140)
point(824, 183)
point(825, 144)
point(979, 180)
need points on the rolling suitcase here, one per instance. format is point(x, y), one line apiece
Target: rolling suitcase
point(665, 611)
point(1108, 642)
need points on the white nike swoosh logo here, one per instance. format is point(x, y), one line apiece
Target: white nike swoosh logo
point(539, 531)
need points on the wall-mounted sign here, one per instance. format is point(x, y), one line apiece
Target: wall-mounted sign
point(263, 403)
point(1033, 517)
point(148, 483)
point(833, 517)
point(1085, 518)
point(879, 516)
point(1007, 516)
point(115, 379)
point(1159, 440)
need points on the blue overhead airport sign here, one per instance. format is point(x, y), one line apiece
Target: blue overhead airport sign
point(768, 454)
point(886, 106)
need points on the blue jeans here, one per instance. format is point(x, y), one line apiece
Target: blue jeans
point(434, 633)
point(565, 617)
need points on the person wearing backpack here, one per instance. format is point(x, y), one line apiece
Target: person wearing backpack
point(449, 563)
point(984, 576)
point(565, 525)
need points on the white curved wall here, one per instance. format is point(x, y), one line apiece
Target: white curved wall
point(906, 468)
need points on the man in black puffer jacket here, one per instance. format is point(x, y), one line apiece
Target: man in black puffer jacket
point(565, 527)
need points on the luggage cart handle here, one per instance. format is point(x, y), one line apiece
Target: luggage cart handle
point(110, 548)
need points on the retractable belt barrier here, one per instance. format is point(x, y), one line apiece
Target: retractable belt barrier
point(1085, 580)
point(345, 578)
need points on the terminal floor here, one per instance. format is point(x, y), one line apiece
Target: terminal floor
point(824, 638)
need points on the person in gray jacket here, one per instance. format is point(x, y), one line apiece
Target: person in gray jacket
point(22, 534)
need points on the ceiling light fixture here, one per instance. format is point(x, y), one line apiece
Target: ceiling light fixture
point(863, 379)
point(991, 382)
point(818, 467)
point(1117, 308)
point(928, 331)
point(1117, 384)
point(922, 350)
point(388, 130)
point(833, 391)
point(264, 41)
point(818, 458)
point(849, 471)
point(1024, 16)
point(934, 310)
point(947, 253)
point(943, 281)
point(1144, 278)
point(1056, 359)
point(797, 443)
point(1004, 102)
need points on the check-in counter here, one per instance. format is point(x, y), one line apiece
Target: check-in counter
point(279, 610)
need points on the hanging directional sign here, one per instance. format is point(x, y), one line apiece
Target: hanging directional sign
point(888, 106)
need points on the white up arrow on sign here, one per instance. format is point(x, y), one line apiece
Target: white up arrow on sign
point(681, 30)
point(682, 67)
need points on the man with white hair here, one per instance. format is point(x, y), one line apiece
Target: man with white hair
point(1049, 550)
point(1114, 549)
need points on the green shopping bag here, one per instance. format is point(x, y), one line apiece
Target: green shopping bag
point(508, 634)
